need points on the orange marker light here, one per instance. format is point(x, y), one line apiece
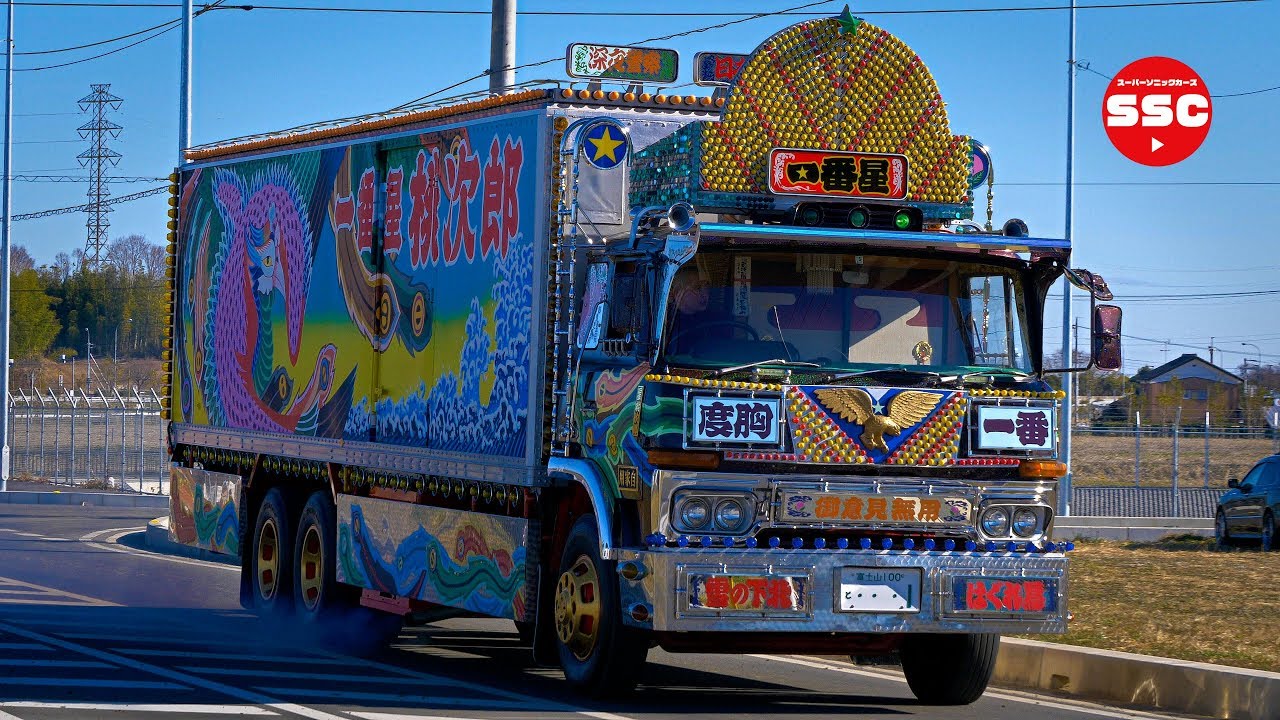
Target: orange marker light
point(1042, 469)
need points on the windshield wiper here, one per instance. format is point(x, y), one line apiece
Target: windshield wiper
point(775, 361)
point(994, 372)
point(879, 371)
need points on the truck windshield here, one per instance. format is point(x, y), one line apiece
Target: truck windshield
point(846, 312)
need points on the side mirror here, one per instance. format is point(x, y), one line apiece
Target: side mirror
point(1246, 488)
point(1106, 337)
point(1233, 483)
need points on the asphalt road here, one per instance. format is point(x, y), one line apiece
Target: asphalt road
point(94, 625)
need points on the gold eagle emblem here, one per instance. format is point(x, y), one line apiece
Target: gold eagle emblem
point(854, 405)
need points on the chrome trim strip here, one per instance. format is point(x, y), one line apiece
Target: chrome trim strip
point(585, 474)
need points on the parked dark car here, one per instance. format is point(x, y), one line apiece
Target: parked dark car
point(1248, 511)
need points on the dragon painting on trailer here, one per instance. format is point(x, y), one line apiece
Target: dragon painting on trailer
point(376, 291)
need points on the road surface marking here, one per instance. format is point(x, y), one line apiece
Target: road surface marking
point(127, 707)
point(288, 675)
point(480, 704)
point(23, 646)
point(370, 715)
point(125, 636)
point(91, 683)
point(6, 716)
point(1011, 695)
point(84, 599)
point(28, 662)
point(148, 652)
point(91, 539)
point(229, 690)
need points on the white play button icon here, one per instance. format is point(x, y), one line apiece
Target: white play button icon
point(1156, 144)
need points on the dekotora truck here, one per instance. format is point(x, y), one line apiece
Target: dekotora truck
point(725, 373)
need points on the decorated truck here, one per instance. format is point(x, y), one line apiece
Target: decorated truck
point(722, 373)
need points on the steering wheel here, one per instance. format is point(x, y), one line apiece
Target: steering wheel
point(751, 332)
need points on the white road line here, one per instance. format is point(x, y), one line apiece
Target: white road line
point(126, 636)
point(289, 675)
point(59, 593)
point(90, 683)
point(23, 646)
point(228, 690)
point(6, 716)
point(148, 652)
point(480, 704)
point(157, 556)
point(33, 601)
point(128, 707)
point(1079, 706)
point(96, 534)
point(370, 715)
point(28, 662)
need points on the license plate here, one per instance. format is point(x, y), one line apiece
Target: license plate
point(895, 590)
point(1002, 596)
point(748, 593)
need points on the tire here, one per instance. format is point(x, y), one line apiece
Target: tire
point(332, 611)
point(1220, 533)
point(949, 669)
point(271, 558)
point(1268, 541)
point(599, 654)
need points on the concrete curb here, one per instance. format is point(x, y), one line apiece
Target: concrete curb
point(57, 497)
point(1180, 686)
point(1134, 529)
point(158, 540)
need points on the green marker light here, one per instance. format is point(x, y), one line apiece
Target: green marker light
point(902, 220)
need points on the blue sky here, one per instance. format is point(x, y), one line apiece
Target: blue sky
point(1003, 75)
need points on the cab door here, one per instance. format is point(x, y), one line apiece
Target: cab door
point(1244, 510)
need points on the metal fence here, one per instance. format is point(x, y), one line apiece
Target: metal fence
point(77, 438)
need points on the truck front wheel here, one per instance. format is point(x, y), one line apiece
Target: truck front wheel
point(272, 557)
point(598, 652)
point(949, 669)
point(333, 609)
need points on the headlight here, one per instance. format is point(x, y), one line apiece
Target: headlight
point(730, 514)
point(1025, 522)
point(694, 513)
point(995, 522)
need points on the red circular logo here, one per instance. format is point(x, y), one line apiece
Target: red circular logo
point(1156, 111)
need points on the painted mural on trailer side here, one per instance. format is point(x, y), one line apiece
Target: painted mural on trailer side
point(374, 291)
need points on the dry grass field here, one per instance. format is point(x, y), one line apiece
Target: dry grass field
point(1179, 598)
point(1108, 460)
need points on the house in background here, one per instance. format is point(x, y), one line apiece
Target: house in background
point(1192, 383)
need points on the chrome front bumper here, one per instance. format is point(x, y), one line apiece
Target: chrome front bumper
point(658, 596)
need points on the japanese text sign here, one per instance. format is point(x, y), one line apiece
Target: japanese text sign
point(862, 508)
point(826, 173)
point(750, 593)
point(608, 62)
point(1015, 428)
point(1000, 595)
point(735, 420)
point(711, 69)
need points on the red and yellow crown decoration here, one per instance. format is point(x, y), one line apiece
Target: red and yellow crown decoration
point(836, 84)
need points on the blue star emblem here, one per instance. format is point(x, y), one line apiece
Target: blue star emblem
point(605, 145)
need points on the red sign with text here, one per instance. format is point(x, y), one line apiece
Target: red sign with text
point(1156, 111)
point(827, 173)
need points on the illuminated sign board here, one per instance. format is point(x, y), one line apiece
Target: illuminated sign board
point(827, 173)
point(715, 69)
point(610, 62)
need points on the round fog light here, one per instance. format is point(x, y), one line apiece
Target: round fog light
point(1025, 522)
point(995, 522)
point(695, 513)
point(730, 514)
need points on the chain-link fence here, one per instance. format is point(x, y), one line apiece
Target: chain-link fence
point(1164, 456)
point(69, 437)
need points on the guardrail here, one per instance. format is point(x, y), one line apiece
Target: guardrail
point(72, 437)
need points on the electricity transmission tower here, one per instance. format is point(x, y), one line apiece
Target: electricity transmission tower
point(97, 158)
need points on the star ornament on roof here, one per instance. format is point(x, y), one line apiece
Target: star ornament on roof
point(848, 23)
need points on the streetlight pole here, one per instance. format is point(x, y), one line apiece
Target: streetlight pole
point(184, 94)
point(7, 203)
point(1068, 382)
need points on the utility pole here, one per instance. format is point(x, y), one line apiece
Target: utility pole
point(1075, 353)
point(502, 47)
point(88, 361)
point(1211, 349)
point(184, 94)
point(1068, 384)
point(97, 158)
point(7, 202)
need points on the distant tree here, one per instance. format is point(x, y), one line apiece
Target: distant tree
point(20, 259)
point(34, 323)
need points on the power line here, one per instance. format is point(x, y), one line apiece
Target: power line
point(1086, 66)
point(1152, 183)
point(85, 178)
point(94, 44)
point(1197, 296)
point(83, 208)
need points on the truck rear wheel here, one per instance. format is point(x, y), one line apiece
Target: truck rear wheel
point(272, 558)
point(949, 669)
point(319, 600)
point(599, 654)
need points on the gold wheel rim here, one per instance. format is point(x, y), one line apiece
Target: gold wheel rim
point(268, 559)
point(311, 568)
point(578, 607)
